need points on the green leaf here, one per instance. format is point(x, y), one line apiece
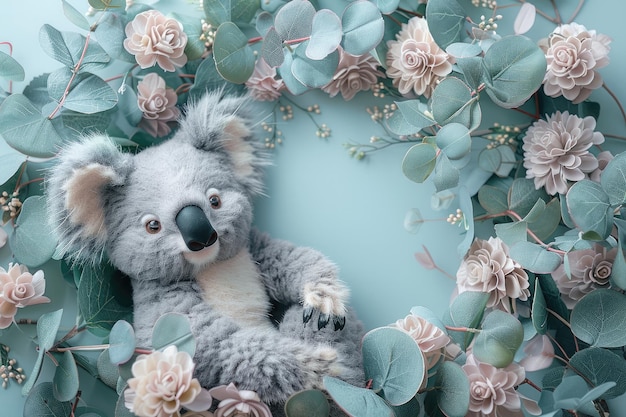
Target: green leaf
point(446, 176)
point(513, 232)
point(75, 16)
point(122, 342)
point(452, 102)
point(411, 117)
point(65, 381)
point(535, 258)
point(314, 74)
point(454, 140)
point(325, 34)
point(523, 196)
point(98, 301)
point(613, 179)
point(472, 70)
point(601, 366)
point(307, 403)
point(208, 79)
point(88, 93)
point(10, 163)
point(272, 49)
point(460, 50)
point(590, 209)
point(173, 329)
point(386, 6)
point(356, 401)
point(599, 318)
point(446, 19)
point(453, 393)
point(33, 244)
point(295, 20)
point(111, 34)
point(500, 337)
point(573, 393)
point(233, 56)
point(514, 70)
point(107, 372)
point(107, 4)
point(41, 403)
point(544, 226)
point(26, 130)
point(466, 311)
point(264, 21)
point(409, 409)
point(419, 162)
point(492, 199)
point(363, 27)
point(69, 49)
point(499, 160)
point(539, 312)
point(294, 86)
point(394, 362)
point(10, 68)
point(237, 11)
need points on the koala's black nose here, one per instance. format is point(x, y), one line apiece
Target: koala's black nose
point(195, 228)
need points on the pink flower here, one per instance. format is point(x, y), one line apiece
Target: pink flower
point(574, 54)
point(238, 403)
point(415, 62)
point(262, 84)
point(488, 268)
point(158, 104)
point(556, 151)
point(492, 390)
point(18, 289)
point(162, 384)
point(156, 39)
point(589, 269)
point(353, 74)
point(430, 338)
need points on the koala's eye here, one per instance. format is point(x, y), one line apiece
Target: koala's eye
point(215, 201)
point(153, 227)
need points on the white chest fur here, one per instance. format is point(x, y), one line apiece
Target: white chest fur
point(234, 288)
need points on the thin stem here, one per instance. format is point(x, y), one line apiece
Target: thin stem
point(409, 12)
point(609, 135)
point(614, 97)
point(532, 384)
point(580, 6)
point(80, 348)
point(569, 326)
point(556, 12)
point(27, 183)
point(75, 405)
point(462, 329)
point(26, 321)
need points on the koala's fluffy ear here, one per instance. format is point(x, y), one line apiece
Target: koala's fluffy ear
point(218, 123)
point(77, 189)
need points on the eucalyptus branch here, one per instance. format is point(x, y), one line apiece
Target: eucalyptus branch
point(463, 329)
point(566, 323)
point(556, 12)
point(532, 384)
point(575, 13)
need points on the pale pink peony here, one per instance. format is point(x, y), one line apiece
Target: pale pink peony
point(238, 403)
point(353, 74)
point(18, 289)
point(155, 39)
point(158, 104)
point(262, 84)
point(603, 158)
point(162, 384)
point(574, 54)
point(492, 390)
point(589, 269)
point(415, 62)
point(556, 151)
point(430, 338)
point(488, 268)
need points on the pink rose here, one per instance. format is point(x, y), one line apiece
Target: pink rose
point(18, 289)
point(158, 104)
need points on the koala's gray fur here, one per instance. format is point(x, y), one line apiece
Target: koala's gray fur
point(102, 200)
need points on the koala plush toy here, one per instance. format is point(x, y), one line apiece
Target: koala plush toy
point(176, 218)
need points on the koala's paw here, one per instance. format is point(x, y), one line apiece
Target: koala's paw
point(329, 297)
point(317, 363)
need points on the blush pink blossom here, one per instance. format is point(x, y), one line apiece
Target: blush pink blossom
point(19, 288)
point(353, 74)
point(263, 84)
point(158, 104)
point(238, 403)
point(430, 338)
point(154, 38)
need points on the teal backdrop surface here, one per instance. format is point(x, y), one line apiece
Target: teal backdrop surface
point(318, 196)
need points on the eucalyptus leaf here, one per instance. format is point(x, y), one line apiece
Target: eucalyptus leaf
point(411, 117)
point(307, 403)
point(363, 27)
point(75, 16)
point(613, 179)
point(545, 225)
point(500, 337)
point(33, 244)
point(208, 79)
point(573, 393)
point(536, 212)
point(26, 130)
point(454, 140)
point(590, 209)
point(601, 366)
point(107, 372)
point(233, 56)
point(42, 403)
point(87, 94)
point(122, 342)
point(599, 318)
point(513, 232)
point(466, 311)
point(237, 11)
point(272, 48)
point(107, 4)
point(387, 6)
point(325, 35)
point(264, 21)
point(499, 160)
point(523, 196)
point(195, 48)
point(464, 50)
point(446, 19)
point(173, 329)
point(472, 70)
point(394, 363)
point(409, 409)
point(10, 68)
point(535, 258)
point(110, 32)
point(452, 102)
point(65, 381)
point(313, 73)
point(492, 199)
point(467, 208)
point(356, 401)
point(539, 312)
point(10, 163)
point(37, 91)
point(453, 393)
point(445, 176)
point(69, 49)
point(294, 20)
point(294, 86)
point(419, 162)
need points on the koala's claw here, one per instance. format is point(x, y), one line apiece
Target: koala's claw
point(339, 322)
point(307, 313)
point(322, 321)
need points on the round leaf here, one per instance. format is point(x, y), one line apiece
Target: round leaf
point(445, 19)
point(308, 403)
point(411, 117)
point(613, 179)
point(500, 337)
point(294, 20)
point(325, 34)
point(107, 372)
point(88, 93)
point(363, 27)
point(122, 342)
point(419, 162)
point(394, 362)
point(33, 244)
point(356, 401)
point(499, 160)
point(173, 329)
point(294, 86)
point(452, 101)
point(233, 56)
point(492, 199)
point(272, 49)
point(387, 6)
point(10, 163)
point(264, 21)
point(454, 140)
point(601, 366)
point(65, 382)
point(599, 318)
point(110, 33)
point(525, 19)
point(314, 74)
point(446, 176)
point(590, 209)
point(463, 49)
point(41, 402)
point(454, 390)
point(10, 68)
point(535, 258)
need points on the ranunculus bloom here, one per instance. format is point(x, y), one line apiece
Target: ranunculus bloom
point(19, 288)
point(158, 104)
point(430, 338)
point(238, 403)
point(262, 84)
point(492, 390)
point(556, 151)
point(162, 384)
point(574, 54)
point(603, 158)
point(415, 62)
point(156, 39)
point(488, 268)
point(353, 74)
point(589, 269)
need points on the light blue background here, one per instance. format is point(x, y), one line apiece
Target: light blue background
point(318, 196)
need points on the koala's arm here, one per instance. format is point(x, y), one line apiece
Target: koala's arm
point(296, 274)
point(263, 361)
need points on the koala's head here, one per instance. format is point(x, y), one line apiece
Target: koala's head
point(168, 210)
